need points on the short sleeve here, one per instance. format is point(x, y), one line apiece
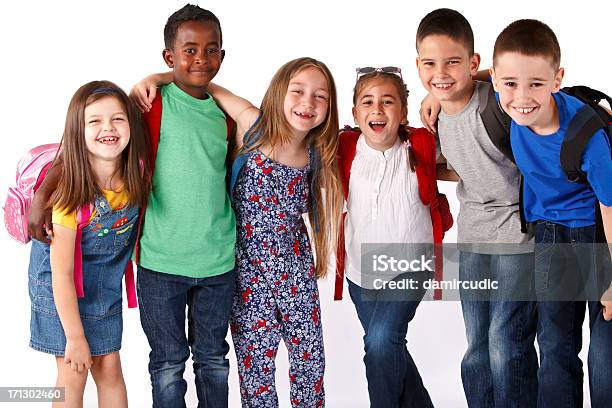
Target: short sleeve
point(64, 219)
point(597, 164)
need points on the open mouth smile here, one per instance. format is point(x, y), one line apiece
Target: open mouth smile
point(303, 115)
point(442, 86)
point(377, 125)
point(524, 110)
point(107, 139)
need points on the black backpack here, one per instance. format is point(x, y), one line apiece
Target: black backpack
point(590, 118)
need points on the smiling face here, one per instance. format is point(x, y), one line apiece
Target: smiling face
point(446, 69)
point(107, 130)
point(196, 56)
point(525, 85)
point(379, 112)
point(307, 100)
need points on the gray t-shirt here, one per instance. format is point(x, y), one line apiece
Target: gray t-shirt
point(488, 191)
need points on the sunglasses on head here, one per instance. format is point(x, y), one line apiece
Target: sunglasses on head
point(386, 70)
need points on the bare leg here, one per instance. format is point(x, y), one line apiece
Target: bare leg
point(106, 372)
point(73, 383)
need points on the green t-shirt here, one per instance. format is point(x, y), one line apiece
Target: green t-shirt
point(189, 226)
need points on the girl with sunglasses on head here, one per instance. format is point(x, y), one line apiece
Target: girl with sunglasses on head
point(286, 157)
point(389, 178)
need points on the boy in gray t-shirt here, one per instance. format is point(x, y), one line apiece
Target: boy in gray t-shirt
point(500, 365)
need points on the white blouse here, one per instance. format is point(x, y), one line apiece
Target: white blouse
point(383, 204)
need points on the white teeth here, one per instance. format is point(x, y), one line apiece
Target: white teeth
point(378, 123)
point(524, 110)
point(108, 139)
point(304, 115)
point(442, 86)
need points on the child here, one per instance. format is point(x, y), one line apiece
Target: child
point(384, 206)
point(185, 254)
point(103, 142)
point(527, 76)
point(287, 159)
point(500, 364)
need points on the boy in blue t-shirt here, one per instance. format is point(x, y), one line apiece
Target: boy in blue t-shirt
point(527, 76)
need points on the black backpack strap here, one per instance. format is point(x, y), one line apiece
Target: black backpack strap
point(579, 131)
point(495, 120)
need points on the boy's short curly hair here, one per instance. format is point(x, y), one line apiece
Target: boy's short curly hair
point(189, 12)
point(451, 23)
point(529, 37)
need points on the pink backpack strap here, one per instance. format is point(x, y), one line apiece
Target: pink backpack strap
point(130, 286)
point(83, 215)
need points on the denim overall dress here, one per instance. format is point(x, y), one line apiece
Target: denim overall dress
point(107, 244)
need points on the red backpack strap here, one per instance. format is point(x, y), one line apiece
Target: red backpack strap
point(347, 148)
point(153, 120)
point(423, 145)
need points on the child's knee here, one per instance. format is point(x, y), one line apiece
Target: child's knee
point(106, 370)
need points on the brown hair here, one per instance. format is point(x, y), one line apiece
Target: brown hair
point(77, 184)
point(531, 38)
point(275, 130)
point(403, 132)
point(446, 22)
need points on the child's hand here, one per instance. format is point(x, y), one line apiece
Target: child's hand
point(430, 109)
point(40, 226)
point(606, 302)
point(77, 354)
point(143, 93)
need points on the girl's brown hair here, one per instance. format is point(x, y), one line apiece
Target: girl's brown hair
point(77, 184)
point(276, 131)
point(404, 131)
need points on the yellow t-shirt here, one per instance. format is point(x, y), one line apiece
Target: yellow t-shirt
point(116, 199)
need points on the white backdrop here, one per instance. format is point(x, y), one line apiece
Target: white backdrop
point(51, 48)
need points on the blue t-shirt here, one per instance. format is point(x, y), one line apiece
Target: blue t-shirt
point(547, 194)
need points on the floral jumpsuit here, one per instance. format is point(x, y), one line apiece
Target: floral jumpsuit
point(276, 292)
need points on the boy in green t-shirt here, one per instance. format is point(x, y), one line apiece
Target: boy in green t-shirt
point(186, 251)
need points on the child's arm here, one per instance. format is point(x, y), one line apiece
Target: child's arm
point(242, 111)
point(39, 217)
point(143, 93)
point(443, 173)
point(606, 299)
point(62, 279)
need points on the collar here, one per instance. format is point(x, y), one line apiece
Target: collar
point(373, 154)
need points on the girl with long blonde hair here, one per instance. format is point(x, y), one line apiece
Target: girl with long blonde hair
point(285, 167)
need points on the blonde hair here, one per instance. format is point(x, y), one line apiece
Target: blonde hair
point(275, 130)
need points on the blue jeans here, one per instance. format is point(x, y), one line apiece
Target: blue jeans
point(393, 378)
point(566, 255)
point(163, 299)
point(500, 365)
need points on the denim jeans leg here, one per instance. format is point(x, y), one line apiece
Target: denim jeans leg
point(600, 357)
point(393, 378)
point(559, 322)
point(162, 300)
point(210, 304)
point(475, 366)
point(512, 331)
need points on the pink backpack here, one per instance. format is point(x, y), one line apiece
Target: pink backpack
point(31, 171)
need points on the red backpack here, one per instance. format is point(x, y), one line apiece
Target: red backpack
point(424, 148)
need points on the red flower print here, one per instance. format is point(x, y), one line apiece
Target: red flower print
point(247, 362)
point(296, 247)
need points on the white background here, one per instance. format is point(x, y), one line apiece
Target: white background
point(51, 48)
